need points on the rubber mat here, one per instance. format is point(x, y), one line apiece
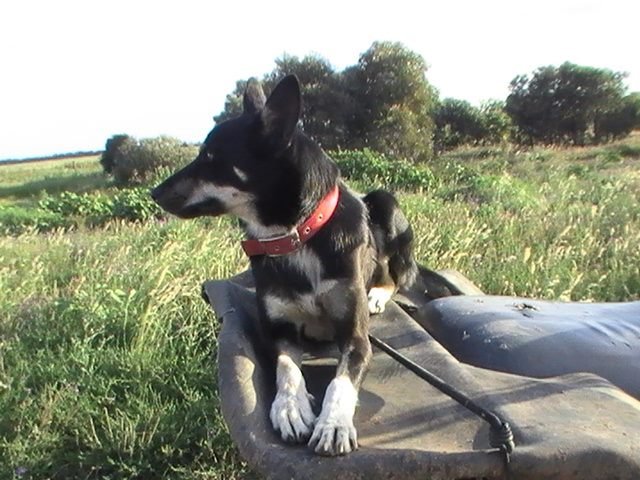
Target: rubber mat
point(574, 426)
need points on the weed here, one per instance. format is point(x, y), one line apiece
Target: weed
point(377, 171)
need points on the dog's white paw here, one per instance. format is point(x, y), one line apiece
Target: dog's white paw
point(292, 416)
point(378, 298)
point(334, 433)
point(291, 413)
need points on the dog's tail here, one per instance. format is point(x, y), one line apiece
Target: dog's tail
point(395, 239)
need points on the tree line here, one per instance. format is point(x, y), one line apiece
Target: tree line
point(385, 102)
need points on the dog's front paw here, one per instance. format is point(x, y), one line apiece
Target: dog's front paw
point(292, 415)
point(378, 298)
point(334, 437)
point(334, 433)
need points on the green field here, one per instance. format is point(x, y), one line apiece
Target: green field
point(28, 180)
point(107, 351)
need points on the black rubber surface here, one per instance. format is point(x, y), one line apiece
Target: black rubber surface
point(575, 426)
point(539, 338)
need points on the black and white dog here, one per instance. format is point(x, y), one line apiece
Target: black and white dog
point(322, 257)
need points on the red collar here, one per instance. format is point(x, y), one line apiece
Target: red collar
point(293, 241)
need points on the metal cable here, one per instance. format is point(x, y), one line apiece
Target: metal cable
point(500, 434)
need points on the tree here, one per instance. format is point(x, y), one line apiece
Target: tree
point(394, 102)
point(460, 123)
point(384, 102)
point(560, 104)
point(326, 103)
point(619, 120)
point(136, 161)
point(497, 124)
point(457, 123)
point(108, 157)
point(325, 100)
point(233, 103)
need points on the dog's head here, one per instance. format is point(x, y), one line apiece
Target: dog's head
point(242, 161)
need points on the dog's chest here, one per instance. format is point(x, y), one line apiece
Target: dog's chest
point(312, 313)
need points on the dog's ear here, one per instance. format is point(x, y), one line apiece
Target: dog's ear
point(282, 112)
point(254, 98)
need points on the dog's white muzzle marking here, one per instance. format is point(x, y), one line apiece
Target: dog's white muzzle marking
point(240, 174)
point(235, 201)
point(229, 196)
point(334, 433)
point(378, 298)
point(291, 412)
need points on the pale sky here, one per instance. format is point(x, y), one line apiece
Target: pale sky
point(76, 72)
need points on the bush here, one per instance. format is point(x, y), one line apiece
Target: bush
point(15, 220)
point(69, 209)
point(108, 157)
point(502, 191)
point(376, 170)
point(496, 123)
point(69, 204)
point(135, 205)
point(137, 161)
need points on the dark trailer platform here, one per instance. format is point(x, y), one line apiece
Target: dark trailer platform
point(573, 425)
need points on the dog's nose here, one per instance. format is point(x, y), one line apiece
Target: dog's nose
point(154, 194)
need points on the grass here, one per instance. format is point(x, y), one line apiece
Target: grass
point(107, 352)
point(107, 366)
point(26, 181)
point(48, 194)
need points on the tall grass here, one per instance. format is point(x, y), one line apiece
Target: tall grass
point(108, 359)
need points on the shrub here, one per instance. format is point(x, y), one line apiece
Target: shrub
point(502, 191)
point(134, 205)
point(137, 161)
point(377, 170)
point(108, 157)
point(73, 204)
point(497, 124)
point(131, 204)
point(15, 220)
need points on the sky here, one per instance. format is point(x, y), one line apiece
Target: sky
point(73, 73)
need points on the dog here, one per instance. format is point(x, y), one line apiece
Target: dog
point(323, 258)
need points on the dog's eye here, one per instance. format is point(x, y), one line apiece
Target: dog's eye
point(209, 155)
